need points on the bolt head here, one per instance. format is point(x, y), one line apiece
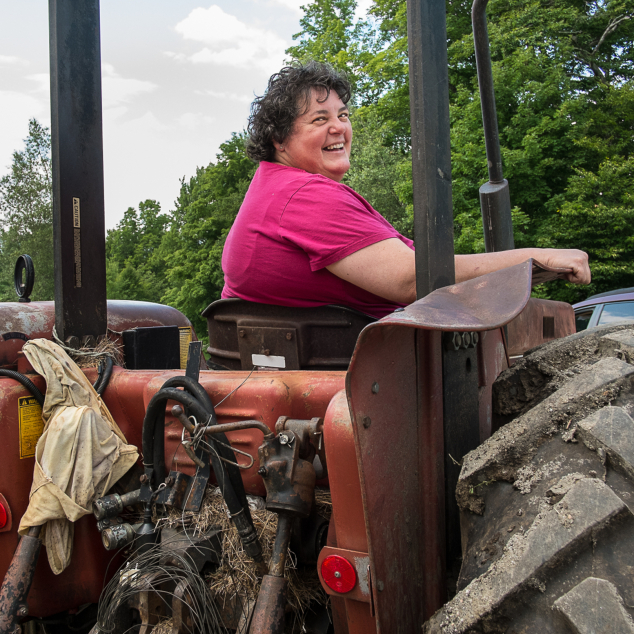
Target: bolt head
point(284, 439)
point(144, 479)
point(375, 388)
point(262, 472)
point(23, 610)
point(367, 421)
point(289, 335)
point(242, 333)
point(338, 574)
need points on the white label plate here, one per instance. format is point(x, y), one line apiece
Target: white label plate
point(268, 361)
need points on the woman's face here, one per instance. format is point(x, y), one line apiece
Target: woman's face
point(320, 140)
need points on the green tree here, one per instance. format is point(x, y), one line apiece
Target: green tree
point(563, 79)
point(205, 210)
point(331, 34)
point(134, 266)
point(26, 214)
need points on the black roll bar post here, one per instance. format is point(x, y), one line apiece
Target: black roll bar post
point(495, 200)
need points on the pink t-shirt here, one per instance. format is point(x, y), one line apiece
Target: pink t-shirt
point(292, 224)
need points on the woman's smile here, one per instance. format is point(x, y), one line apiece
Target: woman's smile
point(321, 138)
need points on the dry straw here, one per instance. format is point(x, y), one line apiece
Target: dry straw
point(235, 581)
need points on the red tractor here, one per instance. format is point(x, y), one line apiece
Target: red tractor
point(436, 524)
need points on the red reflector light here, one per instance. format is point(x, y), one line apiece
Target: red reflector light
point(3, 516)
point(338, 573)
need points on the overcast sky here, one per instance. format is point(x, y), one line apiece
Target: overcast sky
point(178, 78)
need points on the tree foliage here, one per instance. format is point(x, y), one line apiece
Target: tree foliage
point(175, 258)
point(26, 214)
point(563, 73)
point(135, 268)
point(564, 85)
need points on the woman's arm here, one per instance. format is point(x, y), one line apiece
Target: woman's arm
point(388, 268)
point(385, 268)
point(470, 266)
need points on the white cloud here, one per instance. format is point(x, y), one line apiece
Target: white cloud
point(117, 90)
point(195, 120)
point(17, 107)
point(361, 11)
point(181, 57)
point(293, 5)
point(229, 95)
point(230, 42)
point(12, 60)
point(43, 81)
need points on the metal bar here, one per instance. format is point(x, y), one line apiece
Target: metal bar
point(193, 360)
point(280, 547)
point(238, 425)
point(461, 407)
point(431, 152)
point(77, 155)
point(495, 200)
point(268, 615)
point(17, 581)
point(487, 93)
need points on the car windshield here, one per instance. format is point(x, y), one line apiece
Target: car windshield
point(582, 318)
point(619, 311)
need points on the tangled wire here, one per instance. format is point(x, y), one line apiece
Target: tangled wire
point(151, 571)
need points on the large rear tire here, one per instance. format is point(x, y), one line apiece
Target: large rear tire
point(547, 502)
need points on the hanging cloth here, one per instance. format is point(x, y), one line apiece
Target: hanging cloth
point(80, 455)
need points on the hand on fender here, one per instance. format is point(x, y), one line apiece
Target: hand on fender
point(573, 259)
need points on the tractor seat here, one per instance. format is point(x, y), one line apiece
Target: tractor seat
point(246, 334)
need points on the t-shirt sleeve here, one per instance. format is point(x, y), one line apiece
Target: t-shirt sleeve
point(330, 222)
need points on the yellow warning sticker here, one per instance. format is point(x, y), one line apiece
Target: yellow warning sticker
point(31, 425)
point(185, 334)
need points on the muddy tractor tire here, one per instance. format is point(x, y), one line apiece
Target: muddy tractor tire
point(547, 502)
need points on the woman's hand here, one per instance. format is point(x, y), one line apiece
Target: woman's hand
point(470, 266)
point(567, 259)
point(388, 269)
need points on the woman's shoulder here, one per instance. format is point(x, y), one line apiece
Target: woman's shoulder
point(278, 174)
point(300, 188)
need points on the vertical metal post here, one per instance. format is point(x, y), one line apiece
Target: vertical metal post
point(77, 155)
point(431, 150)
point(495, 200)
point(433, 235)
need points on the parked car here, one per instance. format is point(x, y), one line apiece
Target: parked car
point(605, 308)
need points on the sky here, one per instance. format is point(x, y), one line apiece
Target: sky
point(178, 77)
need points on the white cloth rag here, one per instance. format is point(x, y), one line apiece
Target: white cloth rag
point(80, 455)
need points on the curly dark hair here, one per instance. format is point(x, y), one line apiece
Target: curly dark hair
point(288, 96)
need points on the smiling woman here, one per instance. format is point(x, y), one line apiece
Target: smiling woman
point(303, 238)
point(298, 219)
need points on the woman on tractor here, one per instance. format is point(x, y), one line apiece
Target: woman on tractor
point(303, 238)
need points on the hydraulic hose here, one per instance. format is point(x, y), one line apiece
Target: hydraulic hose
point(223, 449)
point(153, 436)
point(105, 372)
point(26, 382)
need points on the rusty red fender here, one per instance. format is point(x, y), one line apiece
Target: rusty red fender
point(395, 394)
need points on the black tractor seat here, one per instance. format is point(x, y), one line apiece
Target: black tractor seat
point(246, 334)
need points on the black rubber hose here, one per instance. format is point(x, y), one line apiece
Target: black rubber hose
point(100, 370)
point(154, 423)
point(26, 382)
point(198, 391)
point(105, 372)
